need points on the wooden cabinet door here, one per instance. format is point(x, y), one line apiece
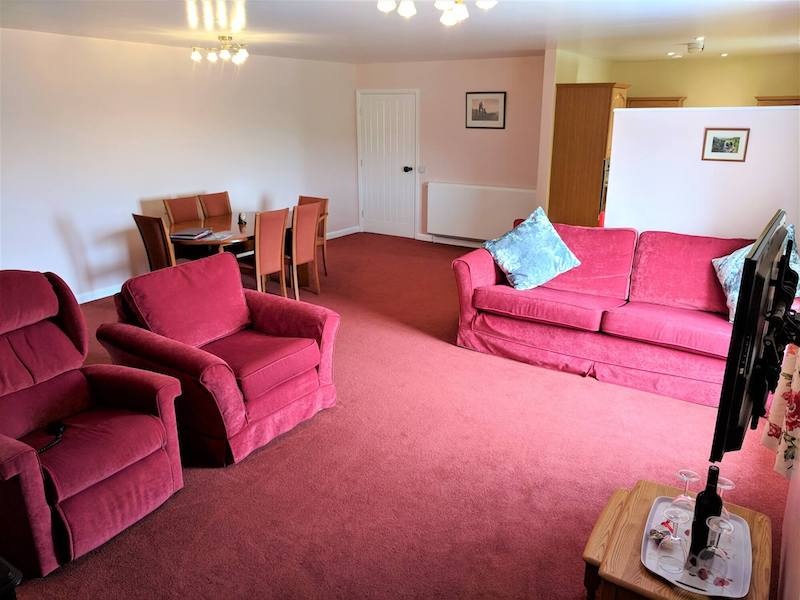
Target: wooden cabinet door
point(580, 141)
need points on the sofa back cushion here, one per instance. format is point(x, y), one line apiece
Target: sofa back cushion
point(606, 256)
point(194, 303)
point(674, 269)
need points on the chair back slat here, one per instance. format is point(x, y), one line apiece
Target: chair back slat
point(304, 232)
point(182, 209)
point(215, 205)
point(270, 241)
point(157, 245)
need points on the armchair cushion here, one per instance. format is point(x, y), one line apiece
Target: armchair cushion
point(97, 444)
point(16, 309)
point(182, 304)
point(260, 362)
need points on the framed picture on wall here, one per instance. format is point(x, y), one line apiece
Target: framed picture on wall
point(486, 110)
point(725, 144)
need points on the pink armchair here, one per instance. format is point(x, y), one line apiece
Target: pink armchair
point(116, 458)
point(251, 365)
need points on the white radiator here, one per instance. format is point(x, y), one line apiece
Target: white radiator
point(476, 212)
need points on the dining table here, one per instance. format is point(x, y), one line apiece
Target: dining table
point(226, 230)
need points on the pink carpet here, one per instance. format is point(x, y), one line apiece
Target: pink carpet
point(441, 473)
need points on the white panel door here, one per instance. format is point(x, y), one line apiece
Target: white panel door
point(388, 145)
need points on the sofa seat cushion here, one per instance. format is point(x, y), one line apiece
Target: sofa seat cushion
point(695, 331)
point(545, 305)
point(97, 443)
point(260, 362)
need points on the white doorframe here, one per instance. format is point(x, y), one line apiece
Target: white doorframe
point(359, 142)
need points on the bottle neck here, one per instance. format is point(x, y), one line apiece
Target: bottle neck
point(713, 479)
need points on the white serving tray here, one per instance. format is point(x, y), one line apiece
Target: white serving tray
point(738, 546)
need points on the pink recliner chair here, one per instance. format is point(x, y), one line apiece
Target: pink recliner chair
point(85, 452)
point(251, 365)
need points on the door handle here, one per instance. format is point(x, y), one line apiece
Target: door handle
point(407, 169)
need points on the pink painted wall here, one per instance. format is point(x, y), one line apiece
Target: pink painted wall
point(448, 150)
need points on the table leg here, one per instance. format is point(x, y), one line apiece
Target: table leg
point(591, 581)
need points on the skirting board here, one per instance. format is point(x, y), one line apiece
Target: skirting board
point(113, 289)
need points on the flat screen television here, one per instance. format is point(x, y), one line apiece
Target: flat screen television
point(762, 326)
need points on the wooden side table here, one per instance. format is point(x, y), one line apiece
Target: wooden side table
point(612, 555)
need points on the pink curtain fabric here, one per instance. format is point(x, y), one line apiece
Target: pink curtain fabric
point(783, 429)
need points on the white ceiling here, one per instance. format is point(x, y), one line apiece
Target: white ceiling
point(354, 30)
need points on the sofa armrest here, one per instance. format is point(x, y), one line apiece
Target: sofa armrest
point(136, 347)
point(473, 270)
point(140, 391)
point(25, 520)
point(275, 315)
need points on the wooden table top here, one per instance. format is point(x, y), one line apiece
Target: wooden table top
point(223, 224)
point(619, 538)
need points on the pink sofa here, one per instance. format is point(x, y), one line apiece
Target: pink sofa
point(117, 458)
point(251, 365)
point(648, 313)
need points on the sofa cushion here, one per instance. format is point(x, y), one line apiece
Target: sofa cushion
point(606, 257)
point(674, 269)
point(260, 362)
point(695, 331)
point(729, 271)
point(532, 253)
point(97, 443)
point(545, 305)
point(194, 303)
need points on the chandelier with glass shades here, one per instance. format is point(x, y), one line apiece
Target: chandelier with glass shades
point(228, 50)
point(453, 11)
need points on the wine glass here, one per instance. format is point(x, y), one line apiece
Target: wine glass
point(672, 551)
point(712, 561)
point(687, 476)
point(725, 485)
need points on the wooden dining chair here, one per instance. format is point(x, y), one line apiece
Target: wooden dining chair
point(305, 219)
point(215, 205)
point(157, 245)
point(322, 227)
point(270, 248)
point(182, 209)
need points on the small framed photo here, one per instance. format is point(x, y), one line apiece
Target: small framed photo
point(725, 144)
point(486, 110)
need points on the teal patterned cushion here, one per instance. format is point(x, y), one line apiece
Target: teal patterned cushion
point(729, 271)
point(532, 253)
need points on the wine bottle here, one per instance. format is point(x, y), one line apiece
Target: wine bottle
point(707, 504)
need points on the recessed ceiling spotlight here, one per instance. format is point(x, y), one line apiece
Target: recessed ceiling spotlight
point(724, 54)
point(670, 54)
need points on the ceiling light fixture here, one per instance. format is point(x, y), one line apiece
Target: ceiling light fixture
point(406, 9)
point(239, 18)
point(670, 54)
point(192, 14)
point(724, 54)
point(453, 11)
point(208, 15)
point(386, 6)
point(222, 14)
point(228, 50)
point(677, 56)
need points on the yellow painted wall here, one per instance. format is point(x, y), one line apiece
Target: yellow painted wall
point(572, 67)
point(706, 81)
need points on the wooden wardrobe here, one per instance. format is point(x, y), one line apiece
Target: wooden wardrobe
point(584, 119)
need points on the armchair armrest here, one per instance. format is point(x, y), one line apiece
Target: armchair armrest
point(136, 347)
point(141, 391)
point(27, 539)
point(473, 270)
point(279, 316)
